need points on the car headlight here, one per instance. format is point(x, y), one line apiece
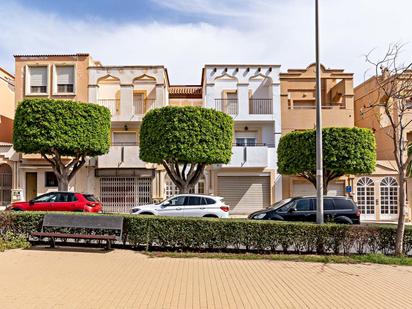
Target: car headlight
point(134, 210)
point(259, 216)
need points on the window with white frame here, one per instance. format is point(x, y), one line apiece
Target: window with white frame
point(124, 138)
point(37, 79)
point(65, 79)
point(171, 189)
point(245, 138)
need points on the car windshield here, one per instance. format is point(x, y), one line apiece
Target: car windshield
point(90, 197)
point(280, 203)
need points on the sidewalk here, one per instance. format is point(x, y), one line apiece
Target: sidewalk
point(60, 278)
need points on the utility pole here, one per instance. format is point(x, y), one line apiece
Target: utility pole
point(319, 154)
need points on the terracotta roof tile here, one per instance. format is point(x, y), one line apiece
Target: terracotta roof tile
point(185, 91)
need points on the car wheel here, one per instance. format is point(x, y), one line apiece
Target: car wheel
point(343, 220)
point(210, 216)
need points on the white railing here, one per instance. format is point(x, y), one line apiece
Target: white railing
point(111, 104)
point(229, 106)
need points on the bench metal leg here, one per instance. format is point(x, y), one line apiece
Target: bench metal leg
point(52, 243)
point(108, 245)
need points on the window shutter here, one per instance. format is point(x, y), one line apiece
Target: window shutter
point(65, 75)
point(38, 76)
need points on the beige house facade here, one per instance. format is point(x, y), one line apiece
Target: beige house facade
point(8, 164)
point(298, 113)
point(378, 195)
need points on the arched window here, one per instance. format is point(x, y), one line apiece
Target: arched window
point(389, 196)
point(365, 192)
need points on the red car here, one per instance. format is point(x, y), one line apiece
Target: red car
point(60, 201)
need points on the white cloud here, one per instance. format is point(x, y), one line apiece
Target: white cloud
point(235, 32)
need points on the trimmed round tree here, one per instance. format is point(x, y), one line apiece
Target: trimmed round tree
point(64, 132)
point(345, 151)
point(184, 140)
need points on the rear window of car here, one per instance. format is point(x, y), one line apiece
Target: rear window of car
point(210, 201)
point(90, 197)
point(343, 204)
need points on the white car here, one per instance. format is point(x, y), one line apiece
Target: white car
point(186, 205)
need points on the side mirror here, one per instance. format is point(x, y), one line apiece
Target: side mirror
point(291, 209)
point(165, 204)
point(31, 202)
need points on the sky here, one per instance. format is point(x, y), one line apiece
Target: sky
point(184, 35)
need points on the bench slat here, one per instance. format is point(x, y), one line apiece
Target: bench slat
point(77, 236)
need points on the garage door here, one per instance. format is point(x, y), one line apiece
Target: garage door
point(303, 188)
point(120, 194)
point(244, 194)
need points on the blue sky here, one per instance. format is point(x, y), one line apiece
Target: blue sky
point(184, 35)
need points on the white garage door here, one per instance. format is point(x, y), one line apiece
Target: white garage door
point(244, 194)
point(303, 188)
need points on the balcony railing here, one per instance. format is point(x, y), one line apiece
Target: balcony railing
point(140, 107)
point(313, 106)
point(260, 106)
point(229, 106)
point(111, 104)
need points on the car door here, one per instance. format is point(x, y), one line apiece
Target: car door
point(193, 207)
point(42, 203)
point(173, 207)
point(302, 210)
point(64, 201)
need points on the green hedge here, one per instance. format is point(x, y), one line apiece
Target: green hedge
point(237, 234)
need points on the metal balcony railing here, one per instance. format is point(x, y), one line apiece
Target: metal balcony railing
point(112, 104)
point(313, 106)
point(260, 106)
point(229, 106)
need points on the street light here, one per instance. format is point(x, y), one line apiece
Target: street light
point(319, 156)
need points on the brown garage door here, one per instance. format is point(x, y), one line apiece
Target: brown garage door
point(244, 194)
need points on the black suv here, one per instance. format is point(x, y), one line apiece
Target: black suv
point(337, 209)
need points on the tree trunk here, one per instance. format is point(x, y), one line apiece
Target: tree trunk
point(400, 231)
point(64, 172)
point(63, 184)
point(184, 189)
point(184, 179)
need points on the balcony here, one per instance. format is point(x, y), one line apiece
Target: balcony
point(112, 104)
point(121, 156)
point(140, 107)
point(260, 106)
point(260, 155)
point(229, 106)
point(312, 105)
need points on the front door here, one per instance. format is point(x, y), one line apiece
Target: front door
point(31, 185)
point(365, 198)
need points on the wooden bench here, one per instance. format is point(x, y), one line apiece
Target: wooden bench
point(100, 228)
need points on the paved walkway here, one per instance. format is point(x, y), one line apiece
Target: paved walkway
point(125, 279)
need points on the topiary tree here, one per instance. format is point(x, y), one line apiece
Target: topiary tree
point(345, 151)
point(64, 132)
point(184, 140)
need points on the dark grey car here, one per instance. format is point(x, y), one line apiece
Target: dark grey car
point(337, 209)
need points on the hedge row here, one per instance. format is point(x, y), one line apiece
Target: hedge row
point(237, 234)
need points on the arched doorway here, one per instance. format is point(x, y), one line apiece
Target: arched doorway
point(389, 198)
point(5, 184)
point(365, 196)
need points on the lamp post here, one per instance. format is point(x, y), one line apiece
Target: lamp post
point(319, 155)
